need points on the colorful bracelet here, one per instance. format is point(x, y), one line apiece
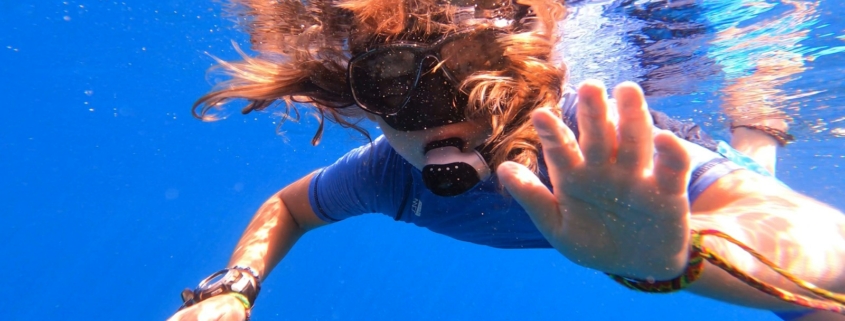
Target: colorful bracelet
point(695, 265)
point(241, 298)
point(244, 300)
point(824, 300)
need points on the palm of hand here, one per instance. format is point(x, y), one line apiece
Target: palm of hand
point(615, 208)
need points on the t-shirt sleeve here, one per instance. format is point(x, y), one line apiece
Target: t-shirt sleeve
point(368, 179)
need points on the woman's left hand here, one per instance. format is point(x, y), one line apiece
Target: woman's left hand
point(620, 191)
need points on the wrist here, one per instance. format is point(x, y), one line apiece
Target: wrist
point(242, 283)
point(242, 299)
point(690, 271)
point(657, 263)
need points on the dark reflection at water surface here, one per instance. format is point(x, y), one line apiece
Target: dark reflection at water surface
point(782, 57)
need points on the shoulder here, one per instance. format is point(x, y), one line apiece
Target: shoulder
point(367, 179)
point(373, 155)
point(366, 164)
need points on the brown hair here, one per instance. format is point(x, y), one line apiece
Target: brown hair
point(303, 49)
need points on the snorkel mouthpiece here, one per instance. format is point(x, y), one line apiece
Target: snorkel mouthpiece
point(449, 171)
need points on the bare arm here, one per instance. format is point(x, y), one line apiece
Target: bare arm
point(757, 100)
point(758, 145)
point(799, 234)
point(273, 231)
point(275, 228)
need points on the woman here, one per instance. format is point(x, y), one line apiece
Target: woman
point(471, 98)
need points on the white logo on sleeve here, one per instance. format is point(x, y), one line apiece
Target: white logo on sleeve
point(416, 206)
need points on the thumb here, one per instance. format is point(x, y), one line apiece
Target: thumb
point(537, 200)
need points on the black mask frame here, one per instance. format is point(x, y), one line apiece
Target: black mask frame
point(407, 84)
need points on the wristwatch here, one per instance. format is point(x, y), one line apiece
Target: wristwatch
point(243, 282)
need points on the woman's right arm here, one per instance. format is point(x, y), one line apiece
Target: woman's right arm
point(274, 229)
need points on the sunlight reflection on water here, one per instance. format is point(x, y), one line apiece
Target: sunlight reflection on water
point(783, 58)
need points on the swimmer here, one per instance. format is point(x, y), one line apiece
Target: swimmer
point(475, 109)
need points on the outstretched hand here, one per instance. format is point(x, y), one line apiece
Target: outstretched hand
point(620, 191)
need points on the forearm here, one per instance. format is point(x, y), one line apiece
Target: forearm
point(268, 238)
point(274, 229)
point(796, 233)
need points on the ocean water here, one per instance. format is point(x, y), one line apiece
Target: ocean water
point(113, 198)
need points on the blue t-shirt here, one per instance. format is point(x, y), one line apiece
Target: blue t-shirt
point(375, 179)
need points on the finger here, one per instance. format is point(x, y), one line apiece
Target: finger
point(537, 200)
point(598, 131)
point(636, 142)
point(672, 164)
point(560, 147)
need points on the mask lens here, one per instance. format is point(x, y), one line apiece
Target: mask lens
point(382, 81)
point(435, 101)
point(481, 4)
point(464, 56)
point(415, 86)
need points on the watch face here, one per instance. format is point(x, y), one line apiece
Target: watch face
point(232, 281)
point(224, 281)
point(217, 279)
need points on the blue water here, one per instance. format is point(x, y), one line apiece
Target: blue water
point(114, 198)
